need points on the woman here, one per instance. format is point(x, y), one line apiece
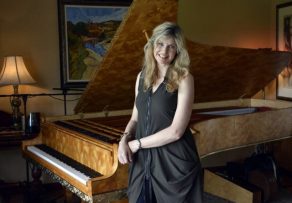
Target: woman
point(164, 164)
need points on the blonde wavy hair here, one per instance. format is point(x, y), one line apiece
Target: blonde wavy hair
point(178, 69)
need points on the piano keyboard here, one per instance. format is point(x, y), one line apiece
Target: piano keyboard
point(69, 166)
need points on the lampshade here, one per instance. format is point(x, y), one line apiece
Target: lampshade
point(14, 72)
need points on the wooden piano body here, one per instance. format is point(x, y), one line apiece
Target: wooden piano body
point(92, 144)
point(249, 122)
point(224, 77)
point(264, 122)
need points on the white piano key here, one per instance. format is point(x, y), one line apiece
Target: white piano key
point(59, 164)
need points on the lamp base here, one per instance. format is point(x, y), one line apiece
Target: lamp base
point(16, 114)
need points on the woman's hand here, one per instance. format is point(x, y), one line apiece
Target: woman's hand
point(124, 152)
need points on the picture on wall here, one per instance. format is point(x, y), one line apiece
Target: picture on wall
point(86, 30)
point(284, 43)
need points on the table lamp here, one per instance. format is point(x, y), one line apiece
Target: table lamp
point(14, 72)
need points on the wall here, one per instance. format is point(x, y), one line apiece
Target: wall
point(30, 28)
point(228, 23)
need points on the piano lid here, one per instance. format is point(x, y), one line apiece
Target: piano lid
point(225, 73)
point(221, 73)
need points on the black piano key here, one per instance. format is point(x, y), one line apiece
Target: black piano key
point(69, 161)
point(86, 132)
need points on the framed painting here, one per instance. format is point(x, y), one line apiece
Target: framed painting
point(284, 43)
point(86, 28)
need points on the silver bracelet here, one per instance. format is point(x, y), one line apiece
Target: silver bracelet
point(140, 145)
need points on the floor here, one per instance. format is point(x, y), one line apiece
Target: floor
point(212, 199)
point(283, 196)
point(21, 193)
point(54, 193)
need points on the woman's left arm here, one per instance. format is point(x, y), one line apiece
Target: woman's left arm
point(179, 123)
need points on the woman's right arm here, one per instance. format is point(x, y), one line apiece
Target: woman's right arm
point(124, 152)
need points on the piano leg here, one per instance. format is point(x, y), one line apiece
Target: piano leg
point(36, 174)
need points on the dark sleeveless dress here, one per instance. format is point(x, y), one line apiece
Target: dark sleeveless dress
point(173, 170)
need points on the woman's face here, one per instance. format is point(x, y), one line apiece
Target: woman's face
point(164, 51)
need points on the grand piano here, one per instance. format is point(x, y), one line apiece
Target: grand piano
point(80, 151)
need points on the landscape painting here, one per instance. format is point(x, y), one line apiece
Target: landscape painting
point(88, 31)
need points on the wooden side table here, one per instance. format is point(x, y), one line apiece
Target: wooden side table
point(11, 138)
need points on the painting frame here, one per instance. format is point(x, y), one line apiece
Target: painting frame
point(284, 43)
point(65, 23)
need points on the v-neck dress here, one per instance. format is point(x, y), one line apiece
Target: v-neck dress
point(173, 170)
